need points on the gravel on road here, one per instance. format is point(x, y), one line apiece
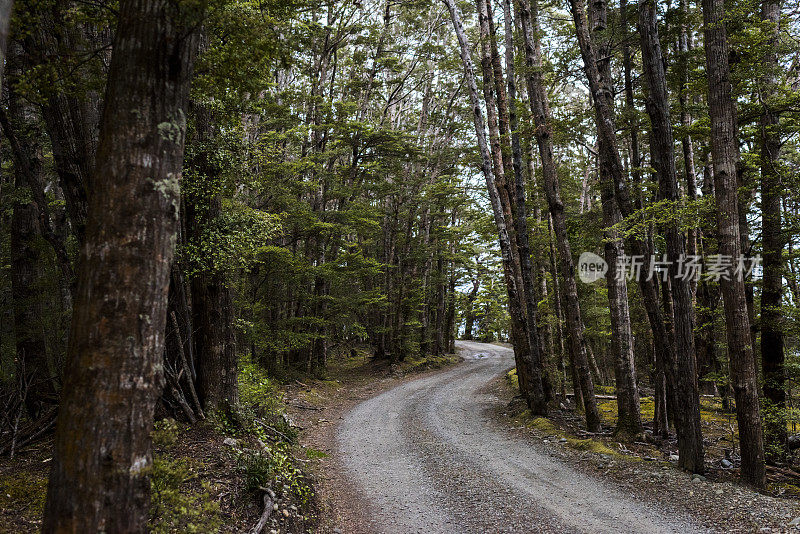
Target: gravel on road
point(429, 456)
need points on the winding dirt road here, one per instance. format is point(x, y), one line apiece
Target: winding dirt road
point(426, 456)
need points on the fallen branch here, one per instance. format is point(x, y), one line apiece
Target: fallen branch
point(783, 471)
point(185, 364)
point(305, 407)
point(271, 429)
point(265, 516)
point(605, 397)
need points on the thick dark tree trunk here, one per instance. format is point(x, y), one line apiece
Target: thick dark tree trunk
point(725, 152)
point(541, 114)
point(526, 337)
point(212, 306)
point(606, 130)
point(772, 353)
point(629, 420)
point(521, 208)
point(500, 212)
point(212, 310)
point(112, 380)
point(687, 400)
point(26, 257)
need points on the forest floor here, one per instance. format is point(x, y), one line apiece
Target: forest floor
point(208, 477)
point(452, 451)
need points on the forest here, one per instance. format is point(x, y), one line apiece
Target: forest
point(208, 205)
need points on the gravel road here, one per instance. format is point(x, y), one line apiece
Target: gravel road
point(427, 456)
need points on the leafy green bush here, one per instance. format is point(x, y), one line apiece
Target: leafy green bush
point(165, 433)
point(175, 505)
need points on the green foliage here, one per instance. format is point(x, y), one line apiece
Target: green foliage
point(177, 504)
point(165, 433)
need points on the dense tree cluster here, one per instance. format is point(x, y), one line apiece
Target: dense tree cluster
point(189, 185)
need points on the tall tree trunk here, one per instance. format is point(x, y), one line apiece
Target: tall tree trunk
point(687, 400)
point(26, 268)
point(6, 7)
point(540, 110)
point(684, 47)
point(629, 420)
point(772, 353)
point(469, 313)
point(538, 373)
point(212, 303)
point(606, 129)
point(497, 119)
point(500, 216)
point(725, 152)
point(559, 313)
point(99, 479)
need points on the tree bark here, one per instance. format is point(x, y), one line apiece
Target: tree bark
point(541, 114)
point(99, 479)
point(487, 168)
point(725, 152)
point(606, 129)
point(662, 150)
point(629, 420)
point(772, 350)
point(212, 303)
point(539, 373)
point(6, 7)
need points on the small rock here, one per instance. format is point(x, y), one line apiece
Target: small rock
point(673, 457)
point(230, 442)
point(545, 441)
point(698, 478)
point(719, 492)
point(274, 507)
point(561, 405)
point(727, 464)
point(795, 522)
point(337, 530)
point(273, 531)
point(562, 440)
point(285, 512)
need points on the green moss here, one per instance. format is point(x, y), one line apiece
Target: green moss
point(24, 493)
point(548, 428)
point(425, 363)
point(165, 433)
point(544, 425)
point(177, 502)
point(604, 390)
point(647, 408)
point(608, 411)
point(512, 378)
point(591, 445)
point(314, 454)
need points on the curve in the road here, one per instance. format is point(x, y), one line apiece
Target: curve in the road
point(426, 457)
